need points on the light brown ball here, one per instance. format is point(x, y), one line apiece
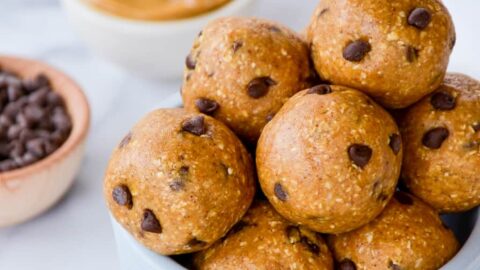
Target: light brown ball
point(263, 240)
point(242, 70)
point(330, 159)
point(442, 145)
point(179, 181)
point(407, 235)
point(395, 51)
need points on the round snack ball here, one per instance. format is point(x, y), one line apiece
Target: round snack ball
point(265, 240)
point(442, 145)
point(242, 70)
point(330, 159)
point(179, 181)
point(396, 51)
point(407, 235)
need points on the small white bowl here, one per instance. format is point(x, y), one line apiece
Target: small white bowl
point(156, 50)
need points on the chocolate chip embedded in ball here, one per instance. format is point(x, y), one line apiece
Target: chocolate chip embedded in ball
point(412, 54)
point(122, 196)
point(419, 18)
point(395, 143)
point(280, 193)
point(207, 106)
point(394, 266)
point(190, 62)
point(321, 89)
point(476, 127)
point(259, 87)
point(443, 101)
point(237, 44)
point(347, 264)
point(311, 246)
point(403, 198)
point(355, 51)
point(360, 154)
point(126, 140)
point(195, 125)
point(150, 222)
point(435, 137)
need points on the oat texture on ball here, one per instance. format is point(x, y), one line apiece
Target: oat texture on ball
point(330, 159)
point(264, 240)
point(242, 70)
point(407, 235)
point(179, 181)
point(442, 145)
point(395, 51)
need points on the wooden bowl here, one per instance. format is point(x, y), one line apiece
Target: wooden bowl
point(29, 191)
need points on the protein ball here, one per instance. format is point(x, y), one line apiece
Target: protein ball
point(395, 51)
point(407, 235)
point(242, 70)
point(179, 181)
point(265, 240)
point(330, 161)
point(442, 145)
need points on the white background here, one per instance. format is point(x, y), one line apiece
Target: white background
point(76, 233)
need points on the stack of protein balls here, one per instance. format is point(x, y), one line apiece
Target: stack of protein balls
point(328, 158)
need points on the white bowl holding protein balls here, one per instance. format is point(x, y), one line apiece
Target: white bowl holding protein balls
point(149, 38)
point(44, 119)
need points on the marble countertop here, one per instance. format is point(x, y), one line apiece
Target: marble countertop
point(76, 234)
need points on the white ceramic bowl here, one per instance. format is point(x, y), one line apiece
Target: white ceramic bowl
point(155, 50)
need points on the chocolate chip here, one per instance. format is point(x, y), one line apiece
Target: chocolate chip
point(403, 198)
point(122, 196)
point(195, 125)
point(395, 143)
point(126, 140)
point(476, 127)
point(184, 171)
point(237, 44)
point(269, 117)
point(355, 51)
point(312, 247)
point(453, 41)
point(435, 137)
point(37, 147)
point(259, 87)
point(190, 62)
point(150, 222)
point(322, 12)
point(419, 18)
point(274, 28)
point(293, 234)
point(206, 106)
point(394, 266)
point(412, 54)
point(14, 93)
point(280, 192)
point(321, 89)
point(177, 184)
point(347, 264)
point(39, 97)
point(359, 154)
point(443, 101)
point(196, 243)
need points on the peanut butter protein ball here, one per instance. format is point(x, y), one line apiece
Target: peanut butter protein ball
point(242, 70)
point(263, 240)
point(179, 181)
point(442, 145)
point(407, 235)
point(330, 159)
point(395, 51)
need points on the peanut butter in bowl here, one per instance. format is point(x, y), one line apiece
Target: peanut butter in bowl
point(156, 10)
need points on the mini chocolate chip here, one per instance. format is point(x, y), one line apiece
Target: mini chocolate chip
point(435, 137)
point(325, 10)
point(206, 106)
point(194, 242)
point(177, 184)
point(293, 234)
point(476, 127)
point(395, 143)
point(280, 192)
point(269, 117)
point(190, 62)
point(394, 266)
point(37, 146)
point(184, 171)
point(359, 154)
point(122, 196)
point(14, 93)
point(321, 89)
point(259, 87)
point(419, 18)
point(443, 101)
point(274, 28)
point(453, 41)
point(150, 222)
point(237, 44)
point(195, 125)
point(347, 264)
point(403, 198)
point(126, 140)
point(310, 245)
point(412, 54)
point(355, 51)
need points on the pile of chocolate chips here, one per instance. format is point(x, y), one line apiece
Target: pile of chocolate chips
point(33, 120)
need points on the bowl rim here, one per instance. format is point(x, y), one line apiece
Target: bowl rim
point(79, 130)
point(135, 24)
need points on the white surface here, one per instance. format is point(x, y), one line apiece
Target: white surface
point(77, 235)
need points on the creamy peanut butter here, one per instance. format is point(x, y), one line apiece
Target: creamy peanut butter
point(156, 10)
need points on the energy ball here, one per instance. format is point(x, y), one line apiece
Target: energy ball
point(242, 70)
point(407, 235)
point(179, 181)
point(330, 159)
point(395, 51)
point(442, 145)
point(264, 240)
